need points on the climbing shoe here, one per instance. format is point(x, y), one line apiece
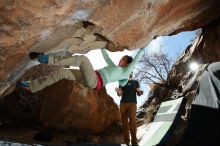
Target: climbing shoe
point(40, 56)
point(43, 58)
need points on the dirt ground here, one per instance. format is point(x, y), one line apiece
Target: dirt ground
point(59, 138)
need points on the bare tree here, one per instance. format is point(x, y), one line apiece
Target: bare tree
point(154, 68)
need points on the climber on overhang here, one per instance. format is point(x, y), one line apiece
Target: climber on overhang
point(94, 79)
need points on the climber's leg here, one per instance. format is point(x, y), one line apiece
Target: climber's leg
point(40, 83)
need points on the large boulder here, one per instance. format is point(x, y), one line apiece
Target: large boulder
point(65, 105)
point(72, 106)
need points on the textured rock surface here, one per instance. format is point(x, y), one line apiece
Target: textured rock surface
point(50, 25)
point(127, 23)
point(79, 112)
point(73, 106)
point(70, 105)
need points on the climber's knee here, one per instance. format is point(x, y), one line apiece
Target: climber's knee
point(65, 74)
point(84, 58)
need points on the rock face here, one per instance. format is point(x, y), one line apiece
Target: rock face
point(74, 106)
point(205, 49)
point(126, 23)
point(56, 25)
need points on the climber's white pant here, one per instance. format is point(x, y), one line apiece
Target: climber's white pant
point(80, 61)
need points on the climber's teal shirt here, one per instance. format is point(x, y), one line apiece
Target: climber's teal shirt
point(112, 72)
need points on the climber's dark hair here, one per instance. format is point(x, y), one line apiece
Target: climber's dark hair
point(129, 59)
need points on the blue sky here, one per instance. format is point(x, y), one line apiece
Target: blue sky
point(173, 45)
